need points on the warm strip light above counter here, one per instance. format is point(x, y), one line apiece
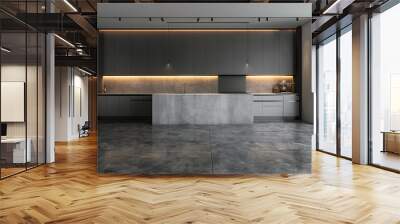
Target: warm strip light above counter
point(185, 83)
point(194, 30)
point(190, 76)
point(158, 76)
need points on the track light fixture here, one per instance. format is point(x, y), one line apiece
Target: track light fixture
point(65, 41)
point(5, 50)
point(84, 71)
point(70, 6)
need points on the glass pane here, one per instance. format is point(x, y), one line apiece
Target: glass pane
point(31, 100)
point(41, 98)
point(13, 87)
point(346, 94)
point(385, 84)
point(327, 96)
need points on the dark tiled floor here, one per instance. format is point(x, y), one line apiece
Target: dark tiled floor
point(262, 148)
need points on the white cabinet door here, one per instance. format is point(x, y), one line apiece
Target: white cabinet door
point(291, 105)
point(285, 105)
point(268, 105)
point(272, 109)
point(257, 109)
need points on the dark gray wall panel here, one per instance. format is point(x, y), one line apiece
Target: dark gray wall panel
point(272, 51)
point(203, 51)
point(180, 53)
point(256, 52)
point(286, 52)
point(156, 59)
point(186, 53)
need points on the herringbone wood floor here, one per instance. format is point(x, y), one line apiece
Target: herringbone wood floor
point(70, 191)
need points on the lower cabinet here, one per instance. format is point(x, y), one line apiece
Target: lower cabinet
point(275, 107)
point(124, 106)
point(291, 106)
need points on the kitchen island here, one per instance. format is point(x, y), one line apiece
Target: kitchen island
point(208, 108)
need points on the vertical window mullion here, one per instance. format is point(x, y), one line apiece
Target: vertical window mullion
point(338, 80)
point(317, 98)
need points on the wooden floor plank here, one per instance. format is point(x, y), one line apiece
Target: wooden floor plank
point(70, 191)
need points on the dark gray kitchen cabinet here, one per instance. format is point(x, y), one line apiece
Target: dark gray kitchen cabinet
point(272, 52)
point(286, 52)
point(238, 52)
point(187, 53)
point(264, 53)
point(179, 51)
point(141, 53)
point(156, 61)
point(204, 53)
point(256, 53)
point(111, 53)
point(221, 48)
point(124, 106)
point(231, 52)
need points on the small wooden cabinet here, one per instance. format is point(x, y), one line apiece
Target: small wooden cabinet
point(391, 142)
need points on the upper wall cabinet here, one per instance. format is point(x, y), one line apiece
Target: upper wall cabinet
point(271, 52)
point(186, 53)
point(231, 52)
point(204, 52)
point(286, 52)
point(179, 53)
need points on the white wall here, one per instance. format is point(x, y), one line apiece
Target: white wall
point(70, 83)
point(34, 125)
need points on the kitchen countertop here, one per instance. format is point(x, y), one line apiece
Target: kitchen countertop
point(149, 94)
point(272, 94)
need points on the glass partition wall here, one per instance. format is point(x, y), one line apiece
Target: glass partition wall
point(385, 89)
point(334, 86)
point(327, 78)
point(22, 98)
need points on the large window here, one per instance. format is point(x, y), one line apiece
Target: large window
point(327, 96)
point(334, 108)
point(346, 92)
point(385, 89)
